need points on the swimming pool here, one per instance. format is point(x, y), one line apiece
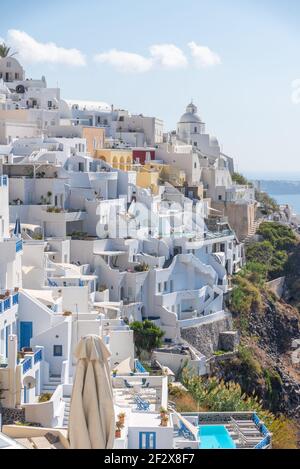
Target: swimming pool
point(215, 437)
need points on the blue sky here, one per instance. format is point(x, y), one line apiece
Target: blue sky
point(246, 100)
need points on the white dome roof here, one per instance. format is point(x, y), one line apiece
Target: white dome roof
point(190, 116)
point(65, 111)
point(213, 141)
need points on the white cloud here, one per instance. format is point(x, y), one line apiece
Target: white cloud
point(165, 56)
point(168, 56)
point(33, 51)
point(125, 61)
point(204, 56)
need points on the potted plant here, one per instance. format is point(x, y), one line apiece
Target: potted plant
point(164, 421)
point(118, 430)
point(114, 372)
point(163, 412)
point(67, 313)
point(20, 355)
point(121, 418)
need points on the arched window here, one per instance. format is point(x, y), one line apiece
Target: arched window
point(122, 163)
point(115, 163)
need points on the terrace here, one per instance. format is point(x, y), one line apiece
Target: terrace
point(141, 391)
point(65, 215)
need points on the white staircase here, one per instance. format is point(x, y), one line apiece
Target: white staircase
point(52, 384)
point(67, 401)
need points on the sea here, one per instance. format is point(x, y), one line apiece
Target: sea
point(291, 199)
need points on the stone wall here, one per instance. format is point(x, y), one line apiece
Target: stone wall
point(9, 416)
point(206, 337)
point(277, 286)
point(241, 216)
point(229, 341)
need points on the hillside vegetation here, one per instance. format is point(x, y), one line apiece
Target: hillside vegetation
point(267, 259)
point(267, 327)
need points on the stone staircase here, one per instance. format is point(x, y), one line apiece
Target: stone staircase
point(253, 231)
point(52, 384)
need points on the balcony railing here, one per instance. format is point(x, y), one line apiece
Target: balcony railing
point(8, 302)
point(19, 246)
point(38, 356)
point(28, 362)
point(27, 365)
point(218, 234)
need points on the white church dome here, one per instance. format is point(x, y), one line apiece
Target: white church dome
point(190, 116)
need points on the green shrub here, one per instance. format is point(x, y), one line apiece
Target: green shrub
point(45, 397)
point(141, 267)
point(260, 252)
point(273, 252)
point(280, 236)
point(255, 272)
point(245, 297)
point(251, 367)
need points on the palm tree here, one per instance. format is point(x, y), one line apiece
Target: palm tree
point(5, 51)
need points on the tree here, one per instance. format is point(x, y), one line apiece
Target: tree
point(268, 204)
point(240, 179)
point(260, 252)
point(147, 336)
point(5, 51)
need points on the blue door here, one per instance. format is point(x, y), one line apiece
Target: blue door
point(147, 440)
point(25, 334)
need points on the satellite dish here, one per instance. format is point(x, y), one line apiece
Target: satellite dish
point(20, 89)
point(29, 382)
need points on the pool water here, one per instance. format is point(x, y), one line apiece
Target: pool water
point(215, 437)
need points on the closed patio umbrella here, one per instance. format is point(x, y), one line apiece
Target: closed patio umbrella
point(92, 417)
point(17, 229)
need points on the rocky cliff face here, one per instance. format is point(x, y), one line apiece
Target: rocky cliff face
point(263, 364)
point(276, 326)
